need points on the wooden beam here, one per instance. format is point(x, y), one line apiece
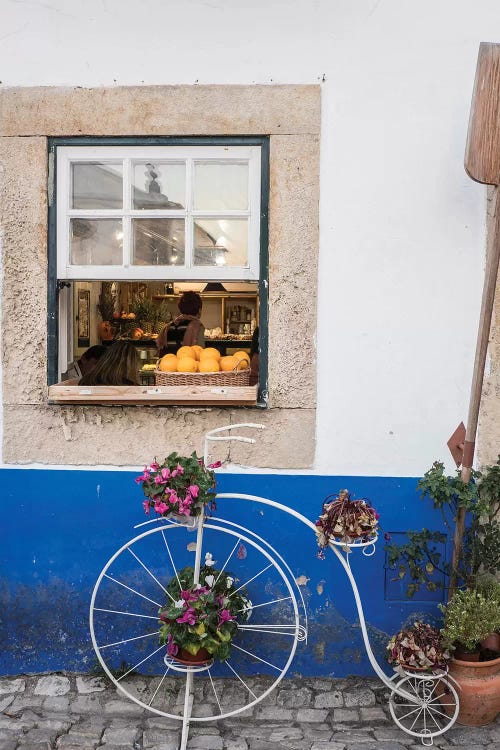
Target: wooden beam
point(181, 395)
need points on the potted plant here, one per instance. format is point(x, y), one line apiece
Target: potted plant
point(180, 485)
point(419, 648)
point(345, 519)
point(470, 616)
point(199, 621)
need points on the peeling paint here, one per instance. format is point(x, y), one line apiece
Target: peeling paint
point(320, 587)
point(191, 547)
point(302, 580)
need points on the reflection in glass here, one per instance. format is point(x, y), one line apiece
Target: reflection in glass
point(96, 185)
point(159, 185)
point(220, 186)
point(221, 242)
point(158, 242)
point(96, 242)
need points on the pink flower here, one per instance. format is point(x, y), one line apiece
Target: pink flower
point(193, 490)
point(172, 496)
point(188, 617)
point(165, 473)
point(224, 616)
point(159, 480)
point(161, 507)
point(172, 648)
point(146, 506)
point(144, 477)
point(215, 465)
point(154, 466)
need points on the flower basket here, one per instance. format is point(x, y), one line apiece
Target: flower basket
point(418, 649)
point(232, 378)
point(200, 620)
point(179, 487)
point(345, 520)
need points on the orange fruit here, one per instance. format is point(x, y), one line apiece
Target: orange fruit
point(168, 363)
point(197, 350)
point(187, 364)
point(227, 364)
point(242, 355)
point(210, 352)
point(209, 365)
point(185, 351)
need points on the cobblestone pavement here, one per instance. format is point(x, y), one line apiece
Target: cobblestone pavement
point(82, 712)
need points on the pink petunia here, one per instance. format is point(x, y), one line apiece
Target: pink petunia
point(172, 648)
point(165, 473)
point(146, 506)
point(193, 490)
point(154, 466)
point(215, 465)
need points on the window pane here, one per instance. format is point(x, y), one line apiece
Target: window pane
point(221, 242)
point(97, 185)
point(158, 242)
point(96, 242)
point(220, 186)
point(159, 185)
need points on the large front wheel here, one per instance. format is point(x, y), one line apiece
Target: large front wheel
point(124, 623)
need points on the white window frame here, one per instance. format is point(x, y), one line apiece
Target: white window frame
point(128, 155)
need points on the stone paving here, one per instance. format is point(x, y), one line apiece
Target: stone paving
point(82, 712)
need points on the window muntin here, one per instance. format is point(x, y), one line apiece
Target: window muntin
point(191, 212)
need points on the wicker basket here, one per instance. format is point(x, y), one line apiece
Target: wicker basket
point(235, 377)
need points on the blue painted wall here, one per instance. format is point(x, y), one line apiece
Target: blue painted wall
point(59, 528)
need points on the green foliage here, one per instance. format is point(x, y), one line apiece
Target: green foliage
point(205, 615)
point(162, 313)
point(420, 559)
point(470, 616)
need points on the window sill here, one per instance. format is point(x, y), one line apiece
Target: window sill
point(183, 395)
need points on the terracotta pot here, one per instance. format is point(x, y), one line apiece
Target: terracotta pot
point(462, 654)
point(480, 690)
point(201, 657)
point(492, 642)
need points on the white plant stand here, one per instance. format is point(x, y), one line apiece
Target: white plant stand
point(131, 588)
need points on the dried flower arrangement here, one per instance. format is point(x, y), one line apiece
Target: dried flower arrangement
point(345, 519)
point(419, 648)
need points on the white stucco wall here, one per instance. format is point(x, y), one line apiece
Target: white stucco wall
point(402, 228)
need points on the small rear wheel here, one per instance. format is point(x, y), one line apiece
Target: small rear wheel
point(428, 709)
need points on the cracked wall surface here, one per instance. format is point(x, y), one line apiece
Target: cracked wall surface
point(37, 432)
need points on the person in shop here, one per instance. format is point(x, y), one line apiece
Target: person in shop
point(119, 365)
point(254, 357)
point(186, 329)
point(85, 363)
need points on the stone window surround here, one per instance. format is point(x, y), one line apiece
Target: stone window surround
point(93, 435)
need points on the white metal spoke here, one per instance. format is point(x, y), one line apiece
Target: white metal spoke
point(441, 713)
point(251, 579)
point(405, 716)
point(241, 680)
point(159, 685)
point(230, 556)
point(115, 580)
point(215, 692)
point(132, 669)
point(416, 719)
point(171, 558)
point(127, 640)
point(150, 573)
point(264, 604)
point(130, 614)
point(254, 656)
point(438, 698)
point(286, 629)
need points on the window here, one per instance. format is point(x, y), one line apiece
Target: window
point(155, 216)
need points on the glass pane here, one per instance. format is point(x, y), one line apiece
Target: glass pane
point(220, 186)
point(159, 185)
point(96, 242)
point(221, 242)
point(97, 185)
point(158, 242)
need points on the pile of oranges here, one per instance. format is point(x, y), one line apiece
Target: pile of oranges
point(197, 359)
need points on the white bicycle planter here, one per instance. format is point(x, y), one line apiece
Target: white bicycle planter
point(131, 588)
